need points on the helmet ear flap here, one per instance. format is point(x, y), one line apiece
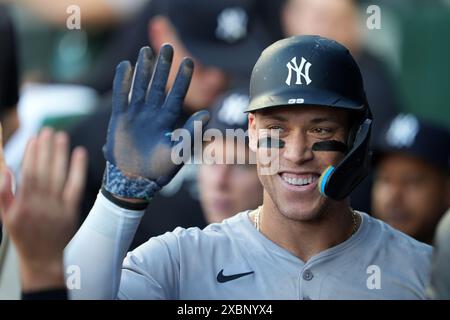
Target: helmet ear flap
point(357, 118)
point(337, 183)
point(352, 134)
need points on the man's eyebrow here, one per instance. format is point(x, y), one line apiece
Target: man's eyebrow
point(327, 119)
point(274, 117)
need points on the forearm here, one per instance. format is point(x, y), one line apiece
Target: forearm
point(43, 281)
point(42, 277)
point(99, 247)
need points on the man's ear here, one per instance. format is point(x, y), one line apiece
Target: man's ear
point(252, 133)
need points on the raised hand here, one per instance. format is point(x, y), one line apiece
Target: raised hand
point(138, 144)
point(42, 216)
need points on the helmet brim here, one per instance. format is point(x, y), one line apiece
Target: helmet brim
point(310, 96)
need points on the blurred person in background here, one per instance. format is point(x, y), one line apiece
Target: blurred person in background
point(38, 104)
point(98, 12)
point(224, 38)
point(134, 34)
point(411, 190)
point(230, 185)
point(339, 20)
point(9, 76)
point(9, 97)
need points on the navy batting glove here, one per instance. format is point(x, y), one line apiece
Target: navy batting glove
point(138, 144)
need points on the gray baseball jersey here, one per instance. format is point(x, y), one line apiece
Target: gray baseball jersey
point(232, 260)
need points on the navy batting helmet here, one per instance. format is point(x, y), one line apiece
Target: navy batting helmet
point(312, 70)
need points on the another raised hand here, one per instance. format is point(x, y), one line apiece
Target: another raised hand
point(41, 217)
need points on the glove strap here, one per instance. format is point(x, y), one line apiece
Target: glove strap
point(118, 184)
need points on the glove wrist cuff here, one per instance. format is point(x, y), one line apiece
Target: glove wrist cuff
point(118, 184)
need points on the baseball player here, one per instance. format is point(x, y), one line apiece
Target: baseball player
point(411, 190)
point(308, 111)
point(227, 184)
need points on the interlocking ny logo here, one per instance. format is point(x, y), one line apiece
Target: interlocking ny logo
point(403, 131)
point(233, 108)
point(232, 24)
point(301, 70)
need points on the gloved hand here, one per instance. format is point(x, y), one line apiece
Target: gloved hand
point(138, 144)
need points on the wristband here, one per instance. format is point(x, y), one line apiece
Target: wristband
point(118, 184)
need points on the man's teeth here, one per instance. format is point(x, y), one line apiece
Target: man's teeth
point(299, 181)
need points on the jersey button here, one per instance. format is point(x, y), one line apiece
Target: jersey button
point(307, 275)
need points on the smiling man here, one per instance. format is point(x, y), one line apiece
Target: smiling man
point(293, 194)
point(309, 113)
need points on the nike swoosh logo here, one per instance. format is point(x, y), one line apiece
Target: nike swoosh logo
point(225, 278)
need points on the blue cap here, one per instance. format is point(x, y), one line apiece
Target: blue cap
point(228, 34)
point(228, 113)
point(409, 135)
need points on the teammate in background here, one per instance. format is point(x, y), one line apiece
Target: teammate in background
point(9, 118)
point(308, 111)
point(226, 186)
point(411, 188)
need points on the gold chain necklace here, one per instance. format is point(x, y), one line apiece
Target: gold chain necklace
point(355, 222)
point(258, 220)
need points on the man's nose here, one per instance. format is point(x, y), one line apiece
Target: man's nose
point(297, 150)
point(393, 194)
point(220, 174)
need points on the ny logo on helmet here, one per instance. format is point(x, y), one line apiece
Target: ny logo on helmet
point(301, 70)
